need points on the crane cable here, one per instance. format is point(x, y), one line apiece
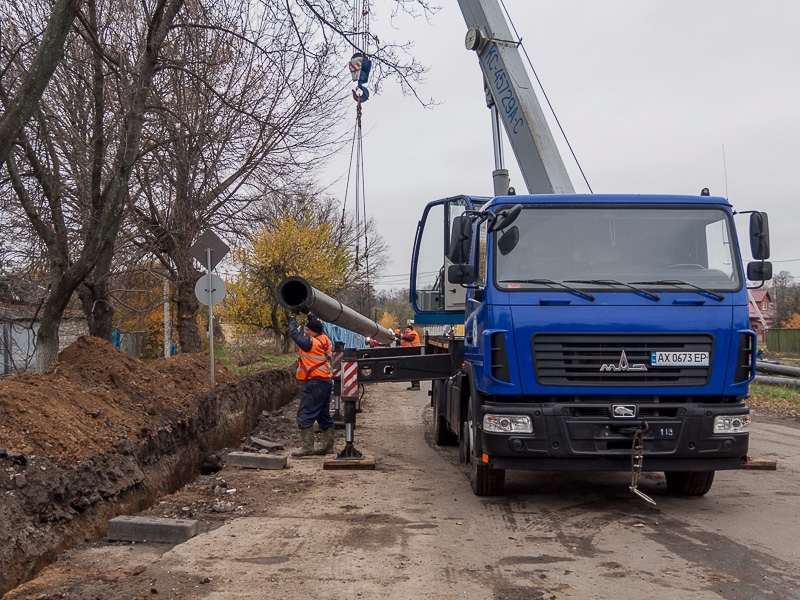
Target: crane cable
point(549, 104)
point(359, 66)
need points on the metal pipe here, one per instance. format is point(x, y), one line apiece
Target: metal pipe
point(779, 369)
point(294, 291)
point(777, 380)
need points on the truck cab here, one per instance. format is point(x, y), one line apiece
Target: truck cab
point(587, 318)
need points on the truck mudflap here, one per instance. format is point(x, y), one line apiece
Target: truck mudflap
point(600, 437)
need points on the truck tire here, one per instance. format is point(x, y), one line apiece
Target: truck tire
point(442, 435)
point(689, 483)
point(464, 446)
point(485, 480)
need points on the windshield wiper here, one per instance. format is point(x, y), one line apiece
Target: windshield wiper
point(551, 282)
point(650, 295)
point(678, 282)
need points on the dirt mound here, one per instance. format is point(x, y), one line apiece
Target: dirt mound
point(94, 396)
point(102, 434)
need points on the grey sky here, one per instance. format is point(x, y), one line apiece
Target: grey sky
point(649, 94)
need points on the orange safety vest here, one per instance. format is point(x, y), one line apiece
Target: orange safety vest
point(316, 363)
point(414, 341)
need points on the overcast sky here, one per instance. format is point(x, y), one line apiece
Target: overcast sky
point(654, 96)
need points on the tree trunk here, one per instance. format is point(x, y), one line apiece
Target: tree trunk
point(47, 339)
point(95, 298)
point(188, 306)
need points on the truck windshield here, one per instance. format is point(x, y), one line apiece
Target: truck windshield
point(625, 244)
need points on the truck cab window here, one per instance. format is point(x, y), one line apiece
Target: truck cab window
point(430, 259)
point(623, 244)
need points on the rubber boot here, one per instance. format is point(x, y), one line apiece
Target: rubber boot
point(307, 437)
point(328, 440)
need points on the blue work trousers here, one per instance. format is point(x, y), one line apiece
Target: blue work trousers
point(315, 404)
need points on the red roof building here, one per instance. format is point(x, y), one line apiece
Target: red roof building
point(761, 310)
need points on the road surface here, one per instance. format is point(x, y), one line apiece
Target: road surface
point(413, 529)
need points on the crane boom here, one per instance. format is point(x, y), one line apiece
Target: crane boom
point(514, 98)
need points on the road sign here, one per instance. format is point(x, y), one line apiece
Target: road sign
point(208, 240)
point(217, 286)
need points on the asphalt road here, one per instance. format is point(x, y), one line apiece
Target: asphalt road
point(413, 529)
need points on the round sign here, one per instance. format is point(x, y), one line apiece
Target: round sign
point(217, 287)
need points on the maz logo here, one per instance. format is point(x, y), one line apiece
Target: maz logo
point(623, 411)
point(623, 365)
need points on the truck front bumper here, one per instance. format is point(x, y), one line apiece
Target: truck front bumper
point(585, 436)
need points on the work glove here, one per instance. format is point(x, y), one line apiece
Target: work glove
point(294, 311)
point(303, 307)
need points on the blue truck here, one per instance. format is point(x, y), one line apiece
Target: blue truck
point(582, 331)
point(589, 332)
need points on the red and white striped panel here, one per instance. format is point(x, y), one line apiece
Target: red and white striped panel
point(349, 379)
point(336, 364)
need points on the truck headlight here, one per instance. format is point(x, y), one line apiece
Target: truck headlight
point(508, 423)
point(732, 424)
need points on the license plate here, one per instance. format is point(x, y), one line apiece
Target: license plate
point(679, 359)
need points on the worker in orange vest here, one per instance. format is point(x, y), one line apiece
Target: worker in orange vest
point(314, 371)
point(410, 339)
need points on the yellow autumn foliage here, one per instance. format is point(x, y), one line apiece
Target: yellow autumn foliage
point(295, 246)
point(792, 322)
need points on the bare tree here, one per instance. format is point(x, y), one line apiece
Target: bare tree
point(129, 94)
point(786, 296)
point(235, 116)
point(20, 91)
point(76, 206)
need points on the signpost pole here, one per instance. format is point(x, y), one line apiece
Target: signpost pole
point(167, 320)
point(207, 244)
point(210, 316)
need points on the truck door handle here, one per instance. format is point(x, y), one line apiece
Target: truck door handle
point(452, 291)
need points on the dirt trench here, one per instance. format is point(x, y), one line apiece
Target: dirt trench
point(101, 434)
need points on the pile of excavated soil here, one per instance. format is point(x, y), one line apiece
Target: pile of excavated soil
point(102, 434)
point(95, 396)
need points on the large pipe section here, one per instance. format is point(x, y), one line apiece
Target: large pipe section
point(294, 291)
point(777, 380)
point(766, 367)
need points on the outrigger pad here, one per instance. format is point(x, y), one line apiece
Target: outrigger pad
point(757, 464)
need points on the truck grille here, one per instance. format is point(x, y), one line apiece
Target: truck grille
point(597, 359)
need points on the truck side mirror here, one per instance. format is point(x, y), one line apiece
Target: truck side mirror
point(759, 271)
point(463, 274)
point(505, 217)
point(460, 241)
point(759, 236)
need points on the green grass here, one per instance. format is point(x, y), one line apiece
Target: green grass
point(233, 358)
point(776, 394)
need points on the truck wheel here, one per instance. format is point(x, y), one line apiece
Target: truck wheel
point(689, 483)
point(464, 445)
point(442, 435)
point(485, 480)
